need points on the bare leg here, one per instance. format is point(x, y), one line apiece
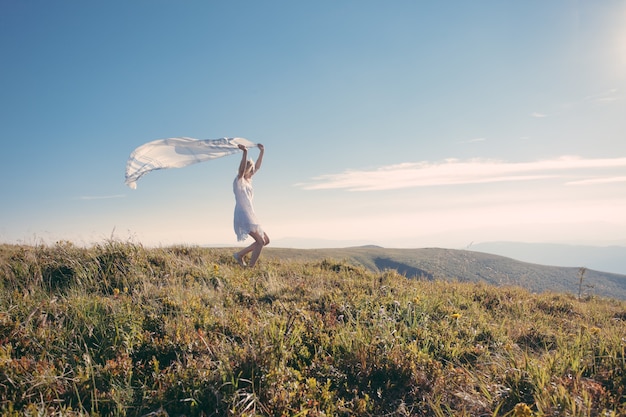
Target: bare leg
point(257, 246)
point(246, 250)
point(239, 260)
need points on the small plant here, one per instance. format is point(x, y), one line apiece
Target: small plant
point(581, 276)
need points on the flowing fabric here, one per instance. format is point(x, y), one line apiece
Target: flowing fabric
point(245, 220)
point(178, 153)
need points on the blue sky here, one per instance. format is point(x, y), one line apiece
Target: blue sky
point(398, 123)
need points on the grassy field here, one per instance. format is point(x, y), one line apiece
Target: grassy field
point(119, 329)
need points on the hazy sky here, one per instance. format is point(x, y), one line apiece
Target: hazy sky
point(399, 123)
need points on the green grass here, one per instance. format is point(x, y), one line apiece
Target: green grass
point(119, 329)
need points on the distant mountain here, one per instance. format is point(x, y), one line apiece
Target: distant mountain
point(309, 243)
point(466, 265)
point(601, 258)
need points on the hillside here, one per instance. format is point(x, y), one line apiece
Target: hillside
point(601, 258)
point(468, 266)
point(122, 330)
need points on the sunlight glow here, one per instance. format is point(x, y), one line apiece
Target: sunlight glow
point(448, 224)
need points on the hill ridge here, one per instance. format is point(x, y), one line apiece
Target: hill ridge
point(467, 265)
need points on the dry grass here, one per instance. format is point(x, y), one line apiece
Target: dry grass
point(119, 329)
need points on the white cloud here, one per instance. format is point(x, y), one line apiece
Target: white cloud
point(538, 115)
point(101, 197)
point(596, 181)
point(474, 140)
point(457, 172)
point(604, 97)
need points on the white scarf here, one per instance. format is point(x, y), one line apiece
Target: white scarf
point(177, 153)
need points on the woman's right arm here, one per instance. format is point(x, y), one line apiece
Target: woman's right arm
point(244, 159)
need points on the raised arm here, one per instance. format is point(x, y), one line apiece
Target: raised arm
point(244, 160)
point(259, 160)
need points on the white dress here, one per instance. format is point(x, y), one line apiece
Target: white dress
point(245, 218)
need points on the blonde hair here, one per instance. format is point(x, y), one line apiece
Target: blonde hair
point(250, 165)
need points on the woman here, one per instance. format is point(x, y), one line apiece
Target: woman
point(245, 221)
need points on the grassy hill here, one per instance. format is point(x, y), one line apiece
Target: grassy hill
point(119, 329)
point(601, 258)
point(468, 266)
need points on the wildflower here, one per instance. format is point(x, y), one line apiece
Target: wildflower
point(116, 292)
point(216, 268)
point(125, 290)
point(522, 410)
point(456, 316)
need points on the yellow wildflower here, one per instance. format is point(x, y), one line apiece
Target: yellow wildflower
point(456, 316)
point(522, 410)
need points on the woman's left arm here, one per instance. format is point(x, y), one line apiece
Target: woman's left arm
point(259, 160)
